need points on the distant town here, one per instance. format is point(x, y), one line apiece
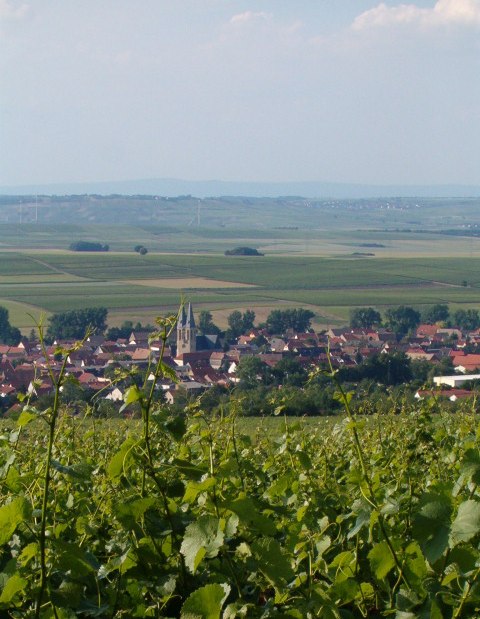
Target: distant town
point(440, 357)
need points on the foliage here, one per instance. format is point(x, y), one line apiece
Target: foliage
point(88, 246)
point(251, 371)
point(436, 313)
point(8, 335)
point(175, 517)
point(140, 249)
point(385, 368)
point(239, 324)
point(467, 319)
point(299, 319)
point(402, 319)
point(243, 251)
point(125, 330)
point(364, 318)
point(206, 325)
point(75, 323)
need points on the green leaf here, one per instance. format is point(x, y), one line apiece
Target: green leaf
point(15, 584)
point(80, 471)
point(188, 469)
point(206, 602)
point(202, 538)
point(168, 372)
point(194, 488)
point(11, 515)
point(28, 553)
point(119, 462)
point(249, 514)
point(25, 418)
point(363, 520)
point(273, 562)
point(70, 557)
point(132, 395)
point(381, 560)
point(431, 528)
point(467, 523)
point(130, 512)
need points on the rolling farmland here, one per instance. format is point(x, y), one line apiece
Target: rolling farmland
point(133, 286)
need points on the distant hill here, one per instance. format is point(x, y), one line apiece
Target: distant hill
point(201, 189)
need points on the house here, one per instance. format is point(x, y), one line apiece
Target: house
point(451, 394)
point(466, 363)
point(455, 381)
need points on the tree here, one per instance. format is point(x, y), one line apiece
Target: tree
point(239, 323)
point(235, 324)
point(467, 319)
point(288, 371)
point(142, 251)
point(437, 313)
point(121, 332)
point(402, 319)
point(88, 246)
point(8, 335)
point(385, 368)
point(251, 371)
point(243, 251)
point(206, 325)
point(74, 324)
point(299, 319)
point(364, 318)
point(248, 320)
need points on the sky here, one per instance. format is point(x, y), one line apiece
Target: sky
point(349, 91)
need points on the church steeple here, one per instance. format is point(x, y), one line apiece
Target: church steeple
point(186, 331)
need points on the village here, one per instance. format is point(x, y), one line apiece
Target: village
point(199, 361)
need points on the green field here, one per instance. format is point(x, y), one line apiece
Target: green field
point(327, 255)
point(131, 285)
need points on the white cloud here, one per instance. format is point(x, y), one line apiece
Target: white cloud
point(249, 16)
point(11, 10)
point(444, 12)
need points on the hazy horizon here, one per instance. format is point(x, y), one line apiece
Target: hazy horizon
point(357, 92)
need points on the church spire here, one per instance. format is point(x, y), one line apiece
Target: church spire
point(186, 331)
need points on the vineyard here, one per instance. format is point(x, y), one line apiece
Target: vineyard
point(191, 517)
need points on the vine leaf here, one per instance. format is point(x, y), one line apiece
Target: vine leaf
point(431, 528)
point(15, 584)
point(381, 560)
point(273, 562)
point(467, 522)
point(202, 538)
point(11, 515)
point(206, 602)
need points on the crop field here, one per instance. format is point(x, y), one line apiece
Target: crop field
point(133, 286)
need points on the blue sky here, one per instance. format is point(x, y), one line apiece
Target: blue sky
point(272, 90)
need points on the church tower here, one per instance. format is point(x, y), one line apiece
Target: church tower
point(186, 331)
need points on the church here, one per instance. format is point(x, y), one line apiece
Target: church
point(188, 340)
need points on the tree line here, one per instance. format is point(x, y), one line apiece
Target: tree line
point(403, 319)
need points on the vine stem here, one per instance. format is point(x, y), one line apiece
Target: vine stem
point(371, 498)
point(148, 404)
point(52, 422)
point(466, 592)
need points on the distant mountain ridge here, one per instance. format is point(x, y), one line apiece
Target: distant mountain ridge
point(310, 189)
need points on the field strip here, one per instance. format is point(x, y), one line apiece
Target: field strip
point(182, 283)
point(49, 278)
